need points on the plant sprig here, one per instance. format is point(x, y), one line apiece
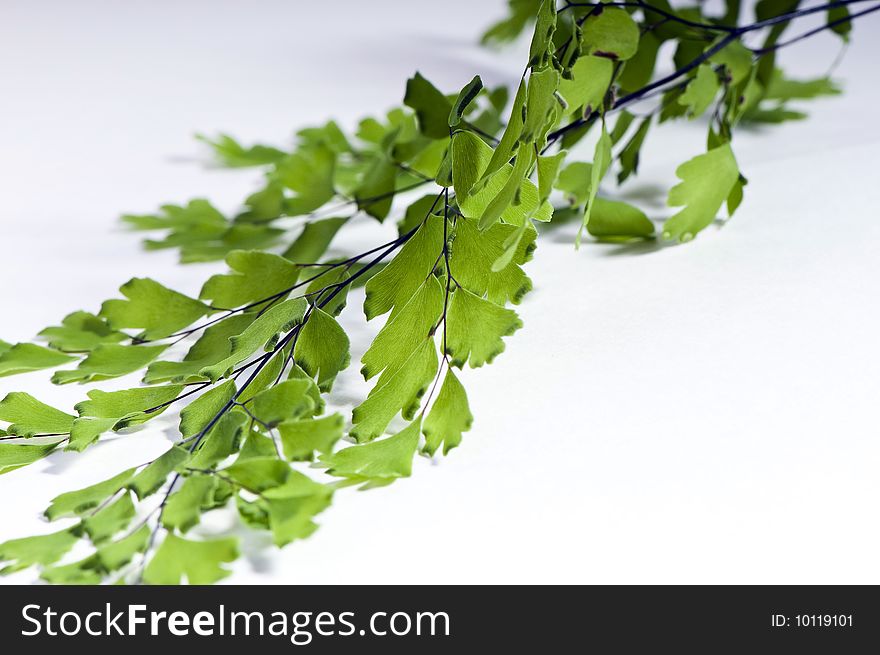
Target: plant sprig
point(265, 345)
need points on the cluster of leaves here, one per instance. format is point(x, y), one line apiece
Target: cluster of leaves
point(265, 344)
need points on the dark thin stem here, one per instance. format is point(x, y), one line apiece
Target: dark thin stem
point(817, 30)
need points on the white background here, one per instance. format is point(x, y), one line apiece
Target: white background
point(694, 414)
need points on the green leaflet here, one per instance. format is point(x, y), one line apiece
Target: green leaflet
point(591, 77)
point(601, 162)
point(548, 169)
point(308, 172)
point(612, 34)
point(213, 346)
point(314, 240)
point(431, 106)
point(576, 181)
point(375, 195)
point(233, 154)
point(706, 182)
point(25, 357)
point(629, 156)
point(153, 476)
point(110, 519)
point(399, 392)
point(200, 562)
point(475, 328)
point(385, 459)
point(43, 549)
point(541, 103)
point(109, 361)
point(115, 555)
point(615, 220)
point(256, 275)
point(322, 348)
point(184, 507)
point(542, 39)
point(286, 400)
point(465, 97)
point(28, 416)
point(80, 332)
point(195, 416)
point(13, 456)
point(509, 140)
point(220, 442)
point(304, 437)
point(700, 91)
point(450, 415)
point(405, 331)
point(470, 157)
point(85, 431)
point(128, 406)
point(157, 310)
point(262, 333)
point(82, 500)
point(393, 286)
point(474, 253)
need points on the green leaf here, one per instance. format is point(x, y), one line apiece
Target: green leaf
point(509, 140)
point(85, 432)
point(109, 361)
point(465, 97)
point(475, 327)
point(405, 331)
point(431, 106)
point(309, 172)
point(128, 406)
point(591, 77)
point(394, 285)
point(541, 103)
point(629, 156)
point(639, 69)
point(233, 154)
point(385, 459)
point(25, 357)
point(159, 311)
point(612, 219)
point(706, 182)
point(474, 254)
point(314, 240)
point(576, 181)
point(200, 562)
point(43, 549)
point(375, 195)
point(198, 214)
point(601, 162)
point(839, 22)
point(286, 400)
point(302, 438)
point(154, 475)
point(195, 416)
point(210, 348)
point(184, 507)
point(13, 456)
point(542, 38)
point(322, 348)
point(783, 88)
point(82, 500)
point(262, 333)
point(450, 415)
point(81, 332)
point(109, 520)
point(612, 34)
point(470, 157)
point(399, 392)
point(115, 555)
point(548, 169)
point(508, 193)
point(700, 91)
point(737, 59)
point(256, 275)
point(221, 441)
point(28, 416)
